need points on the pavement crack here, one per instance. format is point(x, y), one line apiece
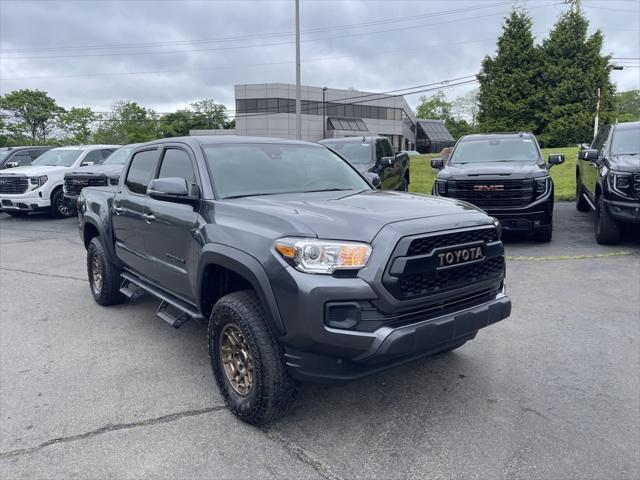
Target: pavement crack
point(302, 455)
point(112, 428)
point(68, 277)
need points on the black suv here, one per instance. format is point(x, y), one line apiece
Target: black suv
point(19, 156)
point(608, 179)
point(506, 176)
point(374, 157)
point(303, 270)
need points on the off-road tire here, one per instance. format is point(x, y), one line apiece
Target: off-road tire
point(60, 208)
point(109, 291)
point(607, 229)
point(581, 203)
point(273, 392)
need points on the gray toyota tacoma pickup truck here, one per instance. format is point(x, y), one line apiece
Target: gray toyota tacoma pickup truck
point(303, 270)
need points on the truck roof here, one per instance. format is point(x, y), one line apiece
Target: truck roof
point(478, 136)
point(226, 139)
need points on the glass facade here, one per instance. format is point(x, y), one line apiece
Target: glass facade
point(332, 109)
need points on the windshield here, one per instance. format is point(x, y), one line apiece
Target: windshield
point(355, 152)
point(57, 158)
point(484, 150)
point(268, 169)
point(119, 157)
point(626, 141)
point(4, 154)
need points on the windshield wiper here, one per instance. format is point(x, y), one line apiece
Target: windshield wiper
point(627, 153)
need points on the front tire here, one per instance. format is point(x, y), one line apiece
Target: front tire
point(607, 229)
point(60, 208)
point(581, 203)
point(247, 361)
point(104, 276)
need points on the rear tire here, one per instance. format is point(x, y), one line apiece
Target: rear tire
point(581, 203)
point(61, 208)
point(250, 371)
point(607, 229)
point(104, 276)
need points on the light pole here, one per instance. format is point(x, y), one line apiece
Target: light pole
point(324, 113)
point(298, 101)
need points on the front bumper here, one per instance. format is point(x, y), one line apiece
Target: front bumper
point(29, 201)
point(627, 212)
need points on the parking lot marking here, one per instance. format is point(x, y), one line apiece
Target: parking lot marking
point(622, 253)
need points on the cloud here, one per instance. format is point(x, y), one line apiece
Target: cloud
point(384, 55)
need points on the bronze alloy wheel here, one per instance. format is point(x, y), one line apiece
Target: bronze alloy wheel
point(96, 273)
point(236, 358)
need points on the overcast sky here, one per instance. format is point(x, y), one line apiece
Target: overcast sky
point(164, 54)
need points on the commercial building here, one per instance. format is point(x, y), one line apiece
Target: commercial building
point(268, 109)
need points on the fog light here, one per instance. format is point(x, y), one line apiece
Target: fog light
point(341, 315)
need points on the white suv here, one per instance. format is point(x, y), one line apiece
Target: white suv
point(39, 185)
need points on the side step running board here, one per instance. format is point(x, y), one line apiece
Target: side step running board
point(172, 310)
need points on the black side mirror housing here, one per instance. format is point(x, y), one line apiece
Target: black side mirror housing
point(437, 163)
point(388, 160)
point(589, 155)
point(555, 159)
point(171, 189)
point(373, 179)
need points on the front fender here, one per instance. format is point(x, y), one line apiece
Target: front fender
point(91, 218)
point(249, 268)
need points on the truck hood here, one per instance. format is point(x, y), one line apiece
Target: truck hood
point(515, 170)
point(106, 170)
point(36, 171)
point(347, 215)
point(626, 163)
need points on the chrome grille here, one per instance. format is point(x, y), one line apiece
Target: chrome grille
point(14, 184)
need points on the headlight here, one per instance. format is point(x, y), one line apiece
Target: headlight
point(621, 183)
point(323, 256)
point(37, 182)
point(541, 186)
point(441, 187)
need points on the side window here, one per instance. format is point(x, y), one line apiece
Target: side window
point(140, 171)
point(22, 158)
point(36, 153)
point(107, 151)
point(93, 157)
point(601, 138)
point(176, 163)
point(387, 151)
point(379, 153)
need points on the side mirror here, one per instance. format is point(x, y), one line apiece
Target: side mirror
point(170, 189)
point(555, 159)
point(11, 165)
point(388, 160)
point(437, 163)
point(86, 164)
point(589, 155)
point(373, 179)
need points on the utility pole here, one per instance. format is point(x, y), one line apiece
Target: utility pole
point(324, 113)
point(298, 101)
point(595, 123)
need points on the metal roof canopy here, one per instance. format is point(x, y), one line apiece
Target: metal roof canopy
point(435, 130)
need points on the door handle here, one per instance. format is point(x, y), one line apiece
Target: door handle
point(149, 217)
point(118, 210)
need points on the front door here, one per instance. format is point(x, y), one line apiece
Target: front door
point(170, 228)
point(390, 173)
point(127, 217)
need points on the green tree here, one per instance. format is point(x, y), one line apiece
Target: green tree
point(30, 115)
point(77, 123)
point(510, 95)
point(574, 70)
point(128, 122)
point(628, 104)
point(178, 123)
point(434, 107)
point(208, 114)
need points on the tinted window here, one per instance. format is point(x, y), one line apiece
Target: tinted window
point(140, 171)
point(626, 141)
point(387, 151)
point(22, 158)
point(601, 138)
point(95, 157)
point(57, 158)
point(482, 150)
point(36, 153)
point(106, 153)
point(176, 163)
point(267, 169)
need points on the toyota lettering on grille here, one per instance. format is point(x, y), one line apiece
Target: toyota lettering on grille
point(488, 188)
point(460, 256)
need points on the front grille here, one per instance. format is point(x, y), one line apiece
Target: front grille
point(74, 184)
point(636, 184)
point(14, 184)
point(492, 193)
point(424, 245)
point(413, 272)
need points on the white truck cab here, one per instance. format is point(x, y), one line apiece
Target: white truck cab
point(39, 186)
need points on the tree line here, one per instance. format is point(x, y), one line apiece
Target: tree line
point(32, 117)
point(550, 89)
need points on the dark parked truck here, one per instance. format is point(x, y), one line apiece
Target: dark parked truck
point(506, 176)
point(304, 271)
point(374, 157)
point(608, 179)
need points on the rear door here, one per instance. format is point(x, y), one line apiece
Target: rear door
point(170, 230)
point(127, 219)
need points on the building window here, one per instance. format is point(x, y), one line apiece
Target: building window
point(272, 105)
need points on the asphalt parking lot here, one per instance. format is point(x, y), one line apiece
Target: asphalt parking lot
point(552, 392)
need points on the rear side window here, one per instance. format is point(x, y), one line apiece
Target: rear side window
point(22, 158)
point(176, 163)
point(140, 171)
point(36, 153)
point(107, 151)
point(93, 157)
